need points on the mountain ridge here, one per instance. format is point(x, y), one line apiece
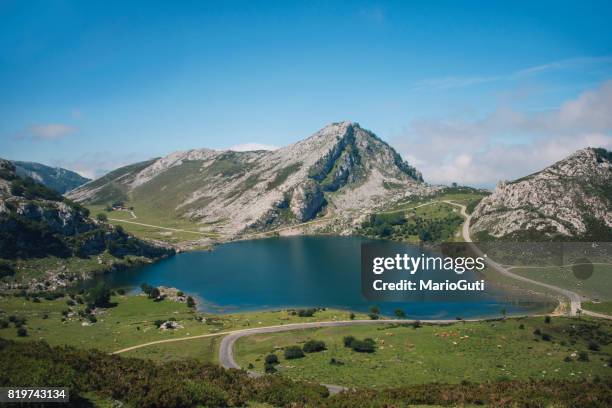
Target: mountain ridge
point(340, 168)
point(56, 178)
point(571, 199)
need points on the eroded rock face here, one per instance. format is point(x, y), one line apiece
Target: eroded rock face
point(307, 200)
point(237, 193)
point(572, 199)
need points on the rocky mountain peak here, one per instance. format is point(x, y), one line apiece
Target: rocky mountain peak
point(571, 198)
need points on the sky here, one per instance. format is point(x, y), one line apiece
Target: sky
point(470, 92)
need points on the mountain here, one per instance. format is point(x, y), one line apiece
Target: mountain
point(572, 199)
point(342, 170)
point(37, 223)
point(56, 178)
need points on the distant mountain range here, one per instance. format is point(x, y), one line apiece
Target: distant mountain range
point(342, 170)
point(56, 178)
point(572, 199)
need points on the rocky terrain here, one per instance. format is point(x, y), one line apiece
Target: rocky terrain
point(342, 171)
point(56, 178)
point(571, 199)
point(37, 223)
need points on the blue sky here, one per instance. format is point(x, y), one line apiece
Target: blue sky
point(91, 85)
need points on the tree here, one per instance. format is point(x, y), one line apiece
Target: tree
point(313, 346)
point(293, 352)
point(154, 293)
point(99, 296)
point(352, 316)
point(348, 340)
point(102, 217)
point(400, 313)
point(6, 268)
point(374, 309)
point(547, 319)
point(364, 346)
point(374, 316)
point(146, 288)
point(271, 359)
point(190, 302)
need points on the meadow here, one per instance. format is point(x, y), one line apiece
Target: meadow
point(500, 350)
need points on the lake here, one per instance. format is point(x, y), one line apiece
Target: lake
point(292, 272)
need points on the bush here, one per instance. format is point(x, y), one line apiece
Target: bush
point(269, 368)
point(416, 324)
point(4, 324)
point(593, 346)
point(583, 356)
point(374, 316)
point(271, 359)
point(374, 310)
point(99, 296)
point(348, 340)
point(102, 217)
point(546, 337)
point(364, 346)
point(547, 320)
point(521, 326)
point(352, 316)
point(567, 359)
point(537, 332)
point(306, 312)
point(22, 332)
point(333, 361)
point(400, 314)
point(293, 352)
point(313, 346)
point(190, 302)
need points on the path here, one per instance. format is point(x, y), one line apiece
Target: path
point(158, 227)
point(575, 298)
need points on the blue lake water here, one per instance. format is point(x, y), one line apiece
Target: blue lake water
point(293, 272)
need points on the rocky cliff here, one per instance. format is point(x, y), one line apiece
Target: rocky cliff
point(572, 199)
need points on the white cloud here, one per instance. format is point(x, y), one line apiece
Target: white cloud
point(507, 144)
point(582, 63)
point(49, 131)
point(94, 165)
point(246, 147)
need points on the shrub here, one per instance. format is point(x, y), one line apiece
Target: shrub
point(537, 332)
point(293, 352)
point(306, 312)
point(374, 316)
point(190, 302)
point(271, 359)
point(22, 332)
point(269, 368)
point(546, 337)
point(567, 359)
point(547, 320)
point(583, 356)
point(313, 346)
point(363, 346)
point(416, 324)
point(4, 324)
point(374, 310)
point(400, 314)
point(521, 326)
point(348, 340)
point(593, 345)
point(102, 217)
point(333, 361)
point(352, 316)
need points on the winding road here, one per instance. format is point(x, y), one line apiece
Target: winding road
point(226, 348)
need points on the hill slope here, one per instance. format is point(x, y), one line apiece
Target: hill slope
point(571, 199)
point(342, 169)
point(38, 224)
point(56, 178)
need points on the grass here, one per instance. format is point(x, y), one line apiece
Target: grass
point(598, 286)
point(146, 215)
point(131, 322)
point(475, 352)
point(599, 307)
